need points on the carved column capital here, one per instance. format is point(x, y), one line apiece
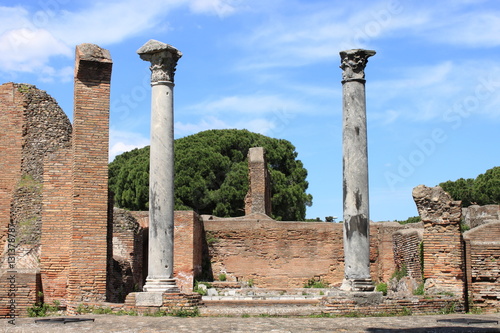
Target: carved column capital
point(163, 58)
point(353, 63)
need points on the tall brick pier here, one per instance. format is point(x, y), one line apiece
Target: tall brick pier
point(89, 232)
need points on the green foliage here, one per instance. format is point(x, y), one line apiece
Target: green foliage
point(200, 290)
point(419, 290)
point(413, 219)
point(313, 283)
point(381, 287)
point(211, 175)
point(483, 190)
point(449, 308)
point(82, 309)
point(178, 312)
point(210, 238)
point(421, 257)
point(463, 226)
point(222, 277)
point(250, 283)
point(400, 272)
point(43, 309)
point(183, 312)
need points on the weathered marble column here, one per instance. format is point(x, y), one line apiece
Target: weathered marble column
point(163, 58)
point(355, 172)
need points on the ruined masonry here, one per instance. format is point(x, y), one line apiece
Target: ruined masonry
point(62, 240)
point(258, 198)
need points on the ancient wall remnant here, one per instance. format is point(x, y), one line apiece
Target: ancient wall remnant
point(442, 248)
point(407, 251)
point(475, 215)
point(33, 125)
point(88, 258)
point(258, 198)
point(482, 245)
point(188, 249)
point(127, 273)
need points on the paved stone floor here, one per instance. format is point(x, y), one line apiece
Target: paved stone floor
point(113, 323)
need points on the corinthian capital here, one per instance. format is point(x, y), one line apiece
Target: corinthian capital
point(353, 63)
point(163, 58)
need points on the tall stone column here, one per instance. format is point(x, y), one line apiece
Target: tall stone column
point(355, 172)
point(163, 58)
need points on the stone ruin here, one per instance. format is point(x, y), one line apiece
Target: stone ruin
point(62, 240)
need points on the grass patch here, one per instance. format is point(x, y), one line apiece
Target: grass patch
point(400, 272)
point(419, 290)
point(43, 309)
point(382, 287)
point(313, 283)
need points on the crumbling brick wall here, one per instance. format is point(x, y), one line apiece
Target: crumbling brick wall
point(33, 125)
point(483, 266)
point(442, 248)
point(128, 256)
point(407, 251)
point(475, 215)
point(258, 197)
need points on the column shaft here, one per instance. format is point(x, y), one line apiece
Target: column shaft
point(355, 172)
point(163, 58)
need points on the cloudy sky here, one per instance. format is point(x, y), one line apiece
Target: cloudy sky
point(272, 67)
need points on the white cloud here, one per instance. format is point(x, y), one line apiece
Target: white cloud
point(26, 50)
point(122, 141)
point(257, 125)
point(438, 92)
point(30, 39)
point(219, 7)
point(250, 104)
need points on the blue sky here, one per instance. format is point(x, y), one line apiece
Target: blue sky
point(272, 67)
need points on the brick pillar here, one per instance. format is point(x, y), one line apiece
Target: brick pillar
point(443, 244)
point(56, 224)
point(258, 198)
point(87, 276)
point(188, 241)
point(11, 140)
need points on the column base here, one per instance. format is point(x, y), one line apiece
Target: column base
point(161, 286)
point(357, 285)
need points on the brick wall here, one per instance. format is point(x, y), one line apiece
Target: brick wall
point(407, 251)
point(258, 197)
point(275, 254)
point(127, 273)
point(19, 291)
point(188, 242)
point(483, 266)
point(88, 258)
point(11, 139)
point(381, 235)
point(443, 244)
point(56, 224)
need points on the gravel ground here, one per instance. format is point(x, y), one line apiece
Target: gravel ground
point(113, 323)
